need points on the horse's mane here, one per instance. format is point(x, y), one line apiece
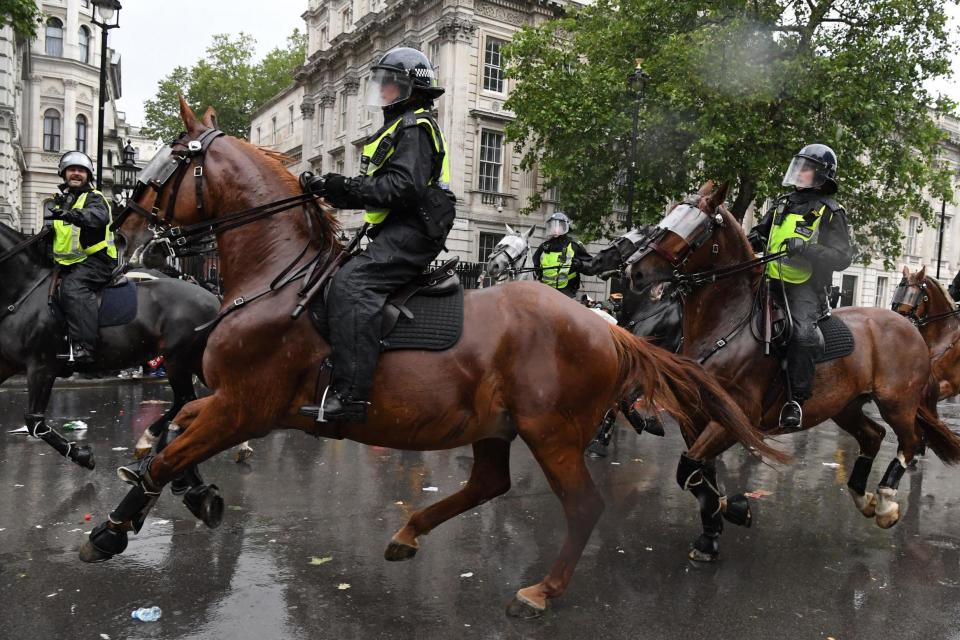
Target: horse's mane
point(14, 237)
point(943, 289)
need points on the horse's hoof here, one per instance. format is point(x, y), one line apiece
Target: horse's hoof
point(738, 511)
point(866, 504)
point(103, 543)
point(524, 609)
point(145, 444)
point(890, 518)
point(83, 455)
point(204, 502)
point(243, 454)
point(702, 556)
point(597, 449)
point(397, 551)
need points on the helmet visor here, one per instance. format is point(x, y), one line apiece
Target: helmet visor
point(557, 228)
point(388, 87)
point(804, 173)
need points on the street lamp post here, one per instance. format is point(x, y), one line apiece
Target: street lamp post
point(638, 81)
point(109, 10)
point(943, 215)
point(125, 174)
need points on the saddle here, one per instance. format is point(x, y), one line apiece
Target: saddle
point(770, 323)
point(117, 301)
point(426, 314)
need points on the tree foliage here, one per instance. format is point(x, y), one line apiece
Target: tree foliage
point(23, 15)
point(735, 88)
point(229, 80)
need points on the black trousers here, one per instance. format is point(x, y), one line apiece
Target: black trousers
point(79, 284)
point(807, 304)
point(400, 251)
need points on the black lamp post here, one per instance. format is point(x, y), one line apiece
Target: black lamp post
point(943, 215)
point(125, 174)
point(109, 11)
point(638, 81)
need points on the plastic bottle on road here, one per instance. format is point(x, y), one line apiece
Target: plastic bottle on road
point(147, 614)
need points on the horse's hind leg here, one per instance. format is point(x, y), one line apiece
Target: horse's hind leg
point(40, 381)
point(903, 421)
point(489, 478)
point(181, 382)
point(869, 436)
point(566, 470)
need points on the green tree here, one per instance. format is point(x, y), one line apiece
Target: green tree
point(229, 80)
point(22, 15)
point(736, 88)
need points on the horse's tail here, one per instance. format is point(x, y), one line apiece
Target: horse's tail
point(944, 442)
point(684, 389)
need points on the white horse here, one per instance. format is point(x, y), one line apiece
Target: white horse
point(509, 258)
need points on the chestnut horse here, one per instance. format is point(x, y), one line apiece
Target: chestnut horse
point(923, 300)
point(704, 250)
point(262, 365)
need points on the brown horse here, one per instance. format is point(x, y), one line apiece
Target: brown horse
point(484, 391)
point(923, 300)
point(699, 237)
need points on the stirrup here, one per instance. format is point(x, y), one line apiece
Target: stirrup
point(315, 411)
point(799, 410)
point(68, 356)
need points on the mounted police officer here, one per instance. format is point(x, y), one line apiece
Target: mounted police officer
point(560, 260)
point(404, 187)
point(83, 248)
point(812, 228)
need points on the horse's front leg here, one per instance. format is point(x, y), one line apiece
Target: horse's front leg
point(40, 379)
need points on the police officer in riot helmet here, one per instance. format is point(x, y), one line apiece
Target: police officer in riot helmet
point(404, 187)
point(812, 228)
point(83, 248)
point(560, 260)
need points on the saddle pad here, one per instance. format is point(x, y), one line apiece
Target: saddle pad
point(837, 338)
point(437, 323)
point(118, 305)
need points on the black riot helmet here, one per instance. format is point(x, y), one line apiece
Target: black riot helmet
point(398, 74)
point(821, 160)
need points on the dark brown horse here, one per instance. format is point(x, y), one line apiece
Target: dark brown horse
point(699, 237)
point(923, 300)
point(486, 390)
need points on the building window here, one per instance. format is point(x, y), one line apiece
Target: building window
point(435, 56)
point(338, 165)
point(82, 133)
point(323, 38)
point(53, 44)
point(109, 157)
point(913, 230)
point(290, 129)
point(946, 237)
point(342, 120)
point(346, 19)
point(273, 131)
point(848, 290)
point(51, 130)
point(491, 160)
point(85, 4)
point(880, 295)
point(259, 138)
point(84, 40)
point(488, 242)
point(321, 121)
point(492, 66)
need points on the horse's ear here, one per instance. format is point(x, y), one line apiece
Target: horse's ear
point(510, 231)
point(719, 196)
point(922, 273)
point(529, 232)
point(705, 189)
point(906, 271)
point(187, 115)
point(210, 118)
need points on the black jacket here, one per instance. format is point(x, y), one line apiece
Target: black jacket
point(580, 264)
point(832, 251)
point(401, 181)
point(94, 216)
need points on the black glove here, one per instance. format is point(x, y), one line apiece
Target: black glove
point(757, 243)
point(312, 183)
point(335, 185)
point(576, 264)
point(59, 200)
point(795, 246)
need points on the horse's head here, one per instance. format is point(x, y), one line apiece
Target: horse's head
point(615, 256)
point(509, 253)
point(690, 238)
point(202, 174)
point(912, 297)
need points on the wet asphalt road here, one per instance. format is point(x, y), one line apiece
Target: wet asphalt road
point(306, 518)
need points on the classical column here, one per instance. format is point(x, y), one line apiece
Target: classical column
point(68, 129)
point(34, 119)
point(307, 109)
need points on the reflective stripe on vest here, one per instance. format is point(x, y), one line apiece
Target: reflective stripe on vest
point(374, 163)
point(797, 269)
point(66, 240)
point(556, 267)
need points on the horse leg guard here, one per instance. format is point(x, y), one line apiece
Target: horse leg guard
point(865, 501)
point(598, 446)
point(204, 502)
point(104, 543)
point(140, 499)
point(694, 476)
point(737, 511)
point(641, 423)
point(186, 479)
point(78, 453)
point(888, 511)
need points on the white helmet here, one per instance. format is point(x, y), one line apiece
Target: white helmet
point(75, 159)
point(557, 225)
